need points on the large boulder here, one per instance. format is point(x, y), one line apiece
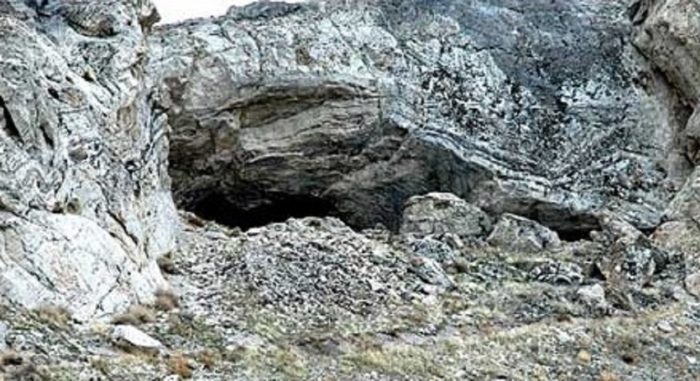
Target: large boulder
point(85, 206)
point(517, 233)
point(444, 213)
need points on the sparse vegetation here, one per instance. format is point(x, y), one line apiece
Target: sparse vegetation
point(166, 300)
point(289, 362)
point(180, 365)
point(135, 315)
point(208, 358)
point(56, 316)
point(407, 361)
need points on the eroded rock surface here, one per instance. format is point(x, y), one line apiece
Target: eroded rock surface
point(474, 184)
point(444, 213)
point(84, 192)
point(542, 109)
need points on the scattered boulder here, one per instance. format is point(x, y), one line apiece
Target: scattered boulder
point(593, 296)
point(132, 339)
point(444, 213)
point(692, 284)
point(517, 233)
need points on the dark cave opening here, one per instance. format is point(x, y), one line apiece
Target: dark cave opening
point(219, 208)
point(574, 235)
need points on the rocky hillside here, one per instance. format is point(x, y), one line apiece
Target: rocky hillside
point(356, 190)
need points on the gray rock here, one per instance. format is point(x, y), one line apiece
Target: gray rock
point(84, 192)
point(557, 273)
point(669, 34)
point(444, 213)
point(431, 272)
point(517, 233)
point(593, 296)
point(434, 249)
point(133, 339)
point(692, 284)
point(686, 203)
point(517, 107)
point(4, 328)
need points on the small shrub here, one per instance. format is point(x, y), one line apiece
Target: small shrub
point(135, 315)
point(208, 358)
point(166, 300)
point(56, 316)
point(180, 365)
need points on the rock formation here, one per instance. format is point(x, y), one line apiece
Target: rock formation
point(369, 189)
point(85, 206)
point(526, 108)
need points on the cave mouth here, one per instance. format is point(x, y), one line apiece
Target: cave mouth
point(219, 208)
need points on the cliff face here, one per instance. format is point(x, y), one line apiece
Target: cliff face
point(85, 206)
point(543, 109)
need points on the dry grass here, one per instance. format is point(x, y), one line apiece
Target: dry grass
point(135, 315)
point(180, 365)
point(288, 361)
point(608, 376)
point(208, 358)
point(56, 316)
point(404, 361)
point(166, 300)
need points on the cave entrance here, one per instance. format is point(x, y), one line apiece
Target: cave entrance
point(219, 208)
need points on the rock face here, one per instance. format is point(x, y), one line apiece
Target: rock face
point(84, 191)
point(362, 106)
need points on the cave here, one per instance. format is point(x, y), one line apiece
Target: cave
point(219, 208)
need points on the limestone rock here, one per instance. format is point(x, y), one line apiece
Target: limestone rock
point(133, 339)
point(692, 284)
point(84, 192)
point(686, 203)
point(670, 35)
point(521, 234)
point(517, 107)
point(442, 213)
point(593, 296)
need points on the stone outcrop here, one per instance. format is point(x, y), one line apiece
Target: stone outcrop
point(541, 109)
point(85, 205)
